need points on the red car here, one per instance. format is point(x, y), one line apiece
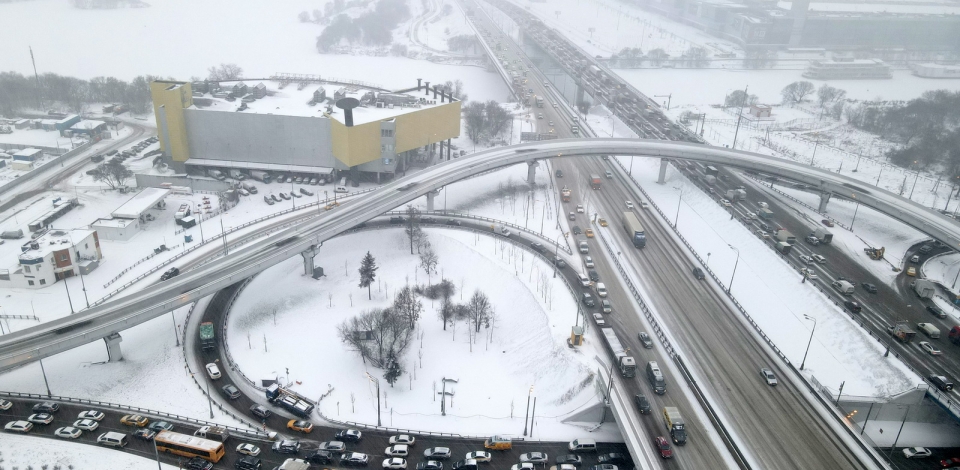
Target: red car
point(827, 222)
point(663, 446)
point(954, 462)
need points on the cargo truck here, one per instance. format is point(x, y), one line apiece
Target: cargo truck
point(261, 176)
point(208, 336)
point(625, 363)
point(823, 234)
point(595, 181)
point(675, 424)
point(765, 213)
point(634, 230)
point(249, 187)
point(924, 288)
point(539, 101)
point(902, 332)
point(786, 237)
point(216, 174)
point(736, 194)
point(784, 247)
point(237, 175)
point(290, 400)
point(711, 170)
point(565, 194)
point(710, 179)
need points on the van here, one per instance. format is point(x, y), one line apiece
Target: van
point(601, 290)
point(113, 439)
point(582, 445)
point(584, 280)
point(930, 330)
point(655, 376)
point(340, 189)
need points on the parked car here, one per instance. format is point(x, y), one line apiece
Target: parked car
point(403, 439)
point(91, 414)
point(437, 453)
point(41, 418)
point(430, 465)
point(614, 458)
point(19, 426)
point(354, 459)
point(479, 456)
point(46, 407)
point(5, 404)
point(349, 435)
point(569, 459)
point(917, 452)
point(395, 463)
point(68, 432)
point(537, 458)
point(320, 457)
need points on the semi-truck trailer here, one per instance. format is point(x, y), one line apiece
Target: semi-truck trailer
point(634, 230)
point(625, 363)
point(595, 181)
point(736, 194)
point(208, 336)
point(290, 400)
point(261, 176)
point(675, 424)
point(823, 234)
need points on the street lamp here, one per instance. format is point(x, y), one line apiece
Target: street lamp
point(677, 217)
point(815, 151)
point(814, 320)
point(730, 286)
point(854, 211)
point(527, 416)
point(376, 381)
point(556, 252)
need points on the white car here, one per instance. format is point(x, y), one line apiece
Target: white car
point(725, 203)
point(396, 450)
point(819, 259)
point(248, 449)
point(479, 456)
point(809, 273)
point(522, 466)
point(598, 317)
point(395, 464)
point(806, 259)
point(580, 208)
point(41, 418)
point(763, 205)
point(5, 404)
point(917, 452)
point(629, 205)
point(403, 439)
point(768, 376)
point(551, 123)
point(86, 424)
point(588, 261)
point(91, 414)
point(752, 215)
point(644, 205)
point(68, 432)
point(213, 371)
point(333, 446)
point(19, 426)
point(931, 349)
point(437, 453)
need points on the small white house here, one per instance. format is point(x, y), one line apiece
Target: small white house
point(57, 255)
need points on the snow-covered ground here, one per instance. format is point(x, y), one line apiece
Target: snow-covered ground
point(24, 452)
point(37, 137)
point(525, 345)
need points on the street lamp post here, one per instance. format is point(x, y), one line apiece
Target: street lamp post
point(377, 382)
point(814, 320)
point(556, 253)
point(854, 215)
point(814, 151)
point(730, 286)
point(677, 217)
point(527, 416)
point(44, 372)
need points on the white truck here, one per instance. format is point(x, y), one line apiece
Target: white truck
point(736, 194)
point(237, 175)
point(923, 288)
point(929, 329)
point(216, 174)
point(294, 464)
point(249, 187)
point(261, 176)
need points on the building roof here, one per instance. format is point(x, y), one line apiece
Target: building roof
point(54, 240)
point(115, 223)
point(139, 203)
point(258, 166)
point(28, 152)
point(86, 125)
point(292, 102)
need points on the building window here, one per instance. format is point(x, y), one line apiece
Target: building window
point(30, 283)
point(386, 148)
point(86, 245)
point(386, 132)
point(43, 282)
point(64, 257)
point(26, 269)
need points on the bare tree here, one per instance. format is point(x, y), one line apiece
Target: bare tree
point(225, 72)
point(480, 309)
point(377, 335)
point(407, 306)
point(113, 173)
point(413, 230)
point(797, 91)
point(428, 260)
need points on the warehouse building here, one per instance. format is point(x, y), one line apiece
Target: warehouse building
point(290, 125)
point(126, 220)
point(25, 159)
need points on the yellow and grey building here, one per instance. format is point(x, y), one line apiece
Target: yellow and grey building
point(295, 126)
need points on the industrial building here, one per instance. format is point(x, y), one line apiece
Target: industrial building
point(25, 159)
point(292, 125)
point(56, 255)
point(126, 220)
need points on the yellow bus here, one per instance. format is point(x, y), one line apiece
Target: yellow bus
point(189, 446)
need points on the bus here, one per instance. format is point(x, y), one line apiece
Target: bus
point(189, 446)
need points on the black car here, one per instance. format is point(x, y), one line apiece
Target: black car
point(428, 220)
point(453, 222)
point(397, 220)
point(349, 435)
point(559, 173)
point(642, 403)
point(260, 411)
point(231, 391)
point(926, 249)
point(430, 465)
point(286, 446)
point(852, 306)
point(614, 458)
point(645, 340)
point(197, 463)
point(588, 300)
point(936, 311)
point(170, 273)
point(46, 407)
point(698, 273)
point(569, 459)
point(322, 457)
point(593, 275)
point(941, 382)
point(145, 434)
point(576, 230)
point(537, 246)
point(248, 462)
point(869, 287)
point(559, 262)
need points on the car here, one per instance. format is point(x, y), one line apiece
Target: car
point(19, 426)
point(299, 425)
point(602, 222)
point(522, 466)
point(936, 311)
point(576, 230)
point(403, 439)
point(852, 306)
point(505, 232)
point(605, 466)
point(158, 426)
point(818, 258)
point(663, 446)
point(5, 404)
point(197, 463)
point(537, 246)
point(437, 453)
point(86, 424)
point(941, 382)
point(274, 198)
point(349, 435)
point(613, 458)
point(41, 418)
point(593, 275)
point(926, 249)
point(812, 239)
point(912, 271)
point(950, 463)
point(354, 459)
point(213, 371)
point(231, 391)
point(588, 300)
point(396, 450)
point(284, 196)
point(580, 208)
point(260, 411)
point(550, 123)
point(479, 456)
point(598, 317)
point(539, 115)
point(320, 457)
point(333, 446)
point(588, 261)
point(68, 432)
point(537, 458)
point(644, 205)
point(559, 262)
point(248, 462)
point(763, 205)
point(286, 446)
point(569, 459)
point(91, 414)
point(606, 306)
point(453, 222)
point(572, 216)
point(46, 407)
point(145, 434)
point(134, 420)
point(768, 376)
point(558, 173)
point(170, 274)
point(588, 233)
point(916, 452)
point(724, 203)
point(629, 205)
point(395, 463)
point(698, 273)
point(645, 339)
point(806, 259)
point(869, 287)
point(809, 274)
point(929, 348)
point(430, 465)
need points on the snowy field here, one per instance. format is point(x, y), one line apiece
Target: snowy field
point(22, 452)
point(525, 345)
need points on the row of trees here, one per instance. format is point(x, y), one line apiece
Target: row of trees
point(373, 28)
point(19, 92)
point(462, 43)
point(485, 120)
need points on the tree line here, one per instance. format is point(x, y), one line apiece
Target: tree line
point(20, 93)
point(373, 28)
point(484, 121)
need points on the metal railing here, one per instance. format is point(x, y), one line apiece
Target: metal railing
point(137, 263)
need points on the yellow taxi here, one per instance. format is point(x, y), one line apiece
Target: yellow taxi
point(134, 420)
point(301, 426)
point(602, 222)
point(912, 271)
point(588, 232)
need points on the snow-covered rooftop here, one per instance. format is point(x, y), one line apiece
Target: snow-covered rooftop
point(115, 223)
point(87, 124)
point(139, 203)
point(54, 240)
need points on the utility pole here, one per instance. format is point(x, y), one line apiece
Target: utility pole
point(739, 117)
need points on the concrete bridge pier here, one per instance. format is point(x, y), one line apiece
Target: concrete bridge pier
point(532, 172)
point(308, 256)
point(430, 197)
point(579, 95)
point(113, 347)
point(663, 170)
point(824, 199)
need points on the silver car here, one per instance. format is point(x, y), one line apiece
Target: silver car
point(767, 375)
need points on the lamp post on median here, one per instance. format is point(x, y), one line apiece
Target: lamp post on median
point(730, 286)
point(377, 382)
point(527, 416)
point(556, 253)
point(814, 320)
point(677, 217)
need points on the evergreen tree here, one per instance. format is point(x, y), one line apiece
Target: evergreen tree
point(394, 371)
point(368, 273)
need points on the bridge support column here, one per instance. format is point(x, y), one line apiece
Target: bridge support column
point(113, 347)
point(824, 199)
point(532, 172)
point(579, 95)
point(663, 171)
point(308, 256)
point(430, 197)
